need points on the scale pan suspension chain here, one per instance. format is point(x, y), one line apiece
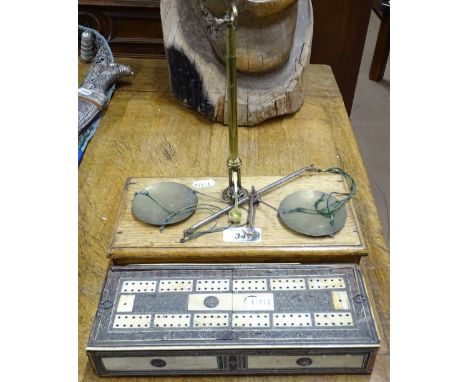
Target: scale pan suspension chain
point(317, 213)
point(164, 203)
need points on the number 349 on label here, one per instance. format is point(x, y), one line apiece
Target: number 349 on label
point(241, 235)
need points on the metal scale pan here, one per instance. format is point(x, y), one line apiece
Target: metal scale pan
point(308, 223)
point(158, 203)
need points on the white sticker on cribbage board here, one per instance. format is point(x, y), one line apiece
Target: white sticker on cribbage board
point(203, 183)
point(292, 320)
point(238, 235)
point(251, 320)
point(175, 286)
point(249, 285)
point(126, 303)
point(287, 284)
point(340, 300)
point(132, 321)
point(172, 320)
point(208, 285)
point(333, 319)
point(253, 301)
point(138, 286)
point(326, 283)
point(211, 320)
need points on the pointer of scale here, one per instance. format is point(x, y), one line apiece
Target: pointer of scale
point(190, 231)
point(250, 230)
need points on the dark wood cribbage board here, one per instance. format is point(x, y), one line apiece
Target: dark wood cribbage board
point(233, 319)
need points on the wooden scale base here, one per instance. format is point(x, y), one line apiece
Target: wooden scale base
point(136, 242)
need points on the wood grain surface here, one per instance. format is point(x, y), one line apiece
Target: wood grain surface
point(198, 76)
point(146, 133)
point(340, 30)
point(138, 242)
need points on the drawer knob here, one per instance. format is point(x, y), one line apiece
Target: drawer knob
point(304, 361)
point(359, 298)
point(158, 362)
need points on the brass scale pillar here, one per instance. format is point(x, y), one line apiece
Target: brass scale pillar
point(234, 162)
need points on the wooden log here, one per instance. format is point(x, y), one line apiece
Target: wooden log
point(265, 91)
point(265, 33)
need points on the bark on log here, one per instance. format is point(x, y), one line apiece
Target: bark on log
point(198, 77)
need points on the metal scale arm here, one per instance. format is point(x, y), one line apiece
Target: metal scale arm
point(234, 162)
point(189, 231)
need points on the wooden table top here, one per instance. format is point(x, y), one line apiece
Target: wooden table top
point(146, 133)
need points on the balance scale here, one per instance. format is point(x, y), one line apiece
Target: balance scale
point(138, 242)
point(160, 314)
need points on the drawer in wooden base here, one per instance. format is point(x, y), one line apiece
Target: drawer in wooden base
point(135, 242)
point(232, 362)
point(233, 319)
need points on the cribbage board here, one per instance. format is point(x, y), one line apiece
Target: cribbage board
point(233, 319)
